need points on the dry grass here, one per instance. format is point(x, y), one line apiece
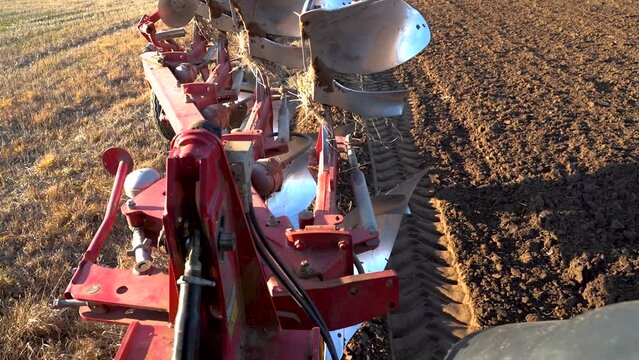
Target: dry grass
point(70, 87)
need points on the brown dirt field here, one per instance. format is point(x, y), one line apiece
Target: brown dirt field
point(527, 115)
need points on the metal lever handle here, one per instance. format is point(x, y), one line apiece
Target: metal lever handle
point(118, 162)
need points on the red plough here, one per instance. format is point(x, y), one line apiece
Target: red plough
point(252, 273)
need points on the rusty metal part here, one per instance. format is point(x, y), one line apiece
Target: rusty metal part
point(68, 303)
point(170, 34)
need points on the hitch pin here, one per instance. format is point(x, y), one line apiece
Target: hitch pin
point(141, 251)
point(170, 34)
point(73, 303)
point(68, 303)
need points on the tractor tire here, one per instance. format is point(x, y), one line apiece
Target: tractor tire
point(158, 120)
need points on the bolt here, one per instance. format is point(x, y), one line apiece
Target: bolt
point(93, 289)
point(227, 242)
point(389, 283)
point(272, 221)
point(353, 290)
point(342, 244)
point(305, 268)
point(236, 167)
point(130, 204)
point(299, 245)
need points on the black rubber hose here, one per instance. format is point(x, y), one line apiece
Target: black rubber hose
point(358, 265)
point(290, 286)
point(289, 282)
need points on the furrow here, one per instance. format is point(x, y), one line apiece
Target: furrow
point(434, 307)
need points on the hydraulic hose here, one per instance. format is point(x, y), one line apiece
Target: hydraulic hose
point(292, 286)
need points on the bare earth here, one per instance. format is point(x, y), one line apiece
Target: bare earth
point(528, 116)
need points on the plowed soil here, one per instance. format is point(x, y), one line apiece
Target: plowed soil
point(526, 114)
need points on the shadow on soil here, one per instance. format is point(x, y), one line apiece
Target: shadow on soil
point(550, 249)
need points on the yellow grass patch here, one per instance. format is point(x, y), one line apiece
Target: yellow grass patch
point(5, 103)
point(45, 162)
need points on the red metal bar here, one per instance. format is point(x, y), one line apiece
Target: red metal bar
point(146, 26)
point(124, 167)
point(326, 199)
point(143, 341)
point(120, 287)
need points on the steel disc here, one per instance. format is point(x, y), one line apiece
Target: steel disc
point(177, 13)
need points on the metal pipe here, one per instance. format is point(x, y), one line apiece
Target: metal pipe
point(67, 303)
point(111, 211)
point(358, 265)
point(360, 190)
point(284, 119)
point(141, 251)
point(170, 34)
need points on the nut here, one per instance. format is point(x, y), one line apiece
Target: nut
point(227, 242)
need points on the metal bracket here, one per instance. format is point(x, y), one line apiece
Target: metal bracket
point(241, 160)
point(194, 280)
point(287, 55)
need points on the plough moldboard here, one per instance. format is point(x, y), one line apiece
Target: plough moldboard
point(260, 262)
